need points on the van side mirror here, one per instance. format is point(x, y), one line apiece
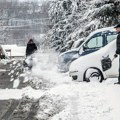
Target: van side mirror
point(84, 47)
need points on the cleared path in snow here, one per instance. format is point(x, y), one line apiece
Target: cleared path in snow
point(10, 110)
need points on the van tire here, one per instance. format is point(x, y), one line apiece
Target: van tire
point(93, 74)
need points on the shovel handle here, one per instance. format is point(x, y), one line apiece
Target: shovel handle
point(113, 59)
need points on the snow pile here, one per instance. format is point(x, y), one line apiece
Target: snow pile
point(10, 94)
point(6, 94)
point(44, 73)
point(49, 105)
point(16, 69)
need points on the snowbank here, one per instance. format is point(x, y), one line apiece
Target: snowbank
point(6, 94)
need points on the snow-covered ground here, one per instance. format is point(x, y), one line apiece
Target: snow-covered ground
point(64, 99)
point(83, 101)
point(90, 101)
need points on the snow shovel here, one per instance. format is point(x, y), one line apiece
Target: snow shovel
point(106, 63)
point(28, 62)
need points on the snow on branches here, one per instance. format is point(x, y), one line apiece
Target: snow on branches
point(74, 19)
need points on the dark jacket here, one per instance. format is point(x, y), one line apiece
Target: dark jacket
point(118, 44)
point(31, 48)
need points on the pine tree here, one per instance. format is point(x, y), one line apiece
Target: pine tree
point(74, 19)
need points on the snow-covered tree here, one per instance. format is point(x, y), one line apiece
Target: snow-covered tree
point(74, 19)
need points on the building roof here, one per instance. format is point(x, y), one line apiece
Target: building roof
point(14, 50)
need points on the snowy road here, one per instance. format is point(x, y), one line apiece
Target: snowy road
point(83, 101)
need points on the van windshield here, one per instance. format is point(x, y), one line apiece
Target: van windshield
point(95, 42)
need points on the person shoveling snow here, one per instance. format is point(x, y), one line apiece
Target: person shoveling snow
point(31, 48)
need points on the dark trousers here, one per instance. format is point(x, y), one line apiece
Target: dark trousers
point(119, 70)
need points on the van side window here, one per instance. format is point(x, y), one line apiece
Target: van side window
point(95, 42)
point(111, 37)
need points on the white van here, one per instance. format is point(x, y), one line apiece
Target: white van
point(89, 67)
point(95, 41)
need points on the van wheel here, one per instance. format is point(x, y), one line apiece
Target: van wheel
point(93, 74)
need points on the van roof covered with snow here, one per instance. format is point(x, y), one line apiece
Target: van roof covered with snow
point(110, 29)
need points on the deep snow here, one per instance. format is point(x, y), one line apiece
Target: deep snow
point(63, 99)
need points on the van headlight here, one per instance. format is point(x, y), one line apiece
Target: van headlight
point(73, 73)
